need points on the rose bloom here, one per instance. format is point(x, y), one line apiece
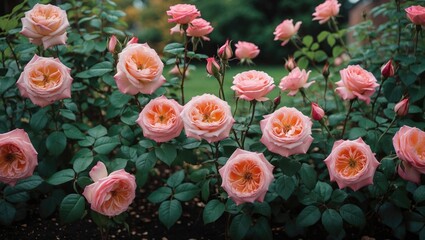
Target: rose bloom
point(160, 119)
point(246, 50)
point(416, 14)
point(356, 83)
point(325, 11)
point(139, 69)
point(45, 25)
point(183, 13)
point(286, 30)
point(111, 194)
point(295, 80)
point(246, 176)
point(409, 145)
point(18, 157)
point(252, 85)
point(176, 72)
point(207, 117)
point(286, 132)
point(199, 28)
point(45, 80)
point(351, 164)
point(408, 173)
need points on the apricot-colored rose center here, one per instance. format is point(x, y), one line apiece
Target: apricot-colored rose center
point(286, 125)
point(350, 161)
point(161, 114)
point(48, 19)
point(207, 112)
point(12, 159)
point(117, 197)
point(418, 142)
point(245, 176)
point(45, 77)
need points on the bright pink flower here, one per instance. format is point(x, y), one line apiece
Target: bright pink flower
point(387, 70)
point(199, 28)
point(295, 80)
point(409, 145)
point(252, 85)
point(402, 108)
point(212, 66)
point(416, 14)
point(317, 112)
point(286, 30)
point(408, 173)
point(225, 51)
point(246, 50)
point(183, 13)
point(325, 11)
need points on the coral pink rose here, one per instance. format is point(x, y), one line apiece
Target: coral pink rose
point(18, 157)
point(252, 85)
point(246, 51)
point(408, 173)
point(45, 25)
point(45, 80)
point(409, 145)
point(246, 176)
point(111, 194)
point(356, 83)
point(139, 69)
point(416, 14)
point(286, 30)
point(183, 13)
point(199, 28)
point(207, 117)
point(325, 11)
point(286, 132)
point(160, 119)
point(295, 80)
point(351, 164)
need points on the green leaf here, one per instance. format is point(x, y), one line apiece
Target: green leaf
point(105, 145)
point(39, 119)
point(205, 190)
point(289, 167)
point(169, 212)
point(8, 212)
point(356, 132)
point(308, 175)
point(98, 131)
point(118, 99)
point(28, 183)
point(56, 143)
point(307, 40)
point(146, 161)
point(87, 142)
point(97, 70)
point(213, 211)
point(400, 199)
point(72, 208)
point(332, 221)
point(285, 186)
point(390, 215)
point(166, 153)
point(262, 229)
point(190, 143)
point(322, 35)
point(419, 194)
point(323, 190)
point(68, 114)
point(176, 179)
point(62, 176)
point(262, 208)
point(353, 215)
point(308, 216)
point(331, 40)
point(49, 204)
point(240, 225)
point(72, 132)
point(11, 195)
point(186, 191)
point(159, 195)
point(82, 160)
point(338, 196)
point(418, 69)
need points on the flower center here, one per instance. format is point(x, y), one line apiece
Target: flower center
point(47, 19)
point(286, 125)
point(12, 159)
point(350, 162)
point(245, 176)
point(161, 114)
point(45, 77)
point(207, 112)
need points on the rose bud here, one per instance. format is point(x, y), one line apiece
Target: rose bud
point(132, 40)
point(212, 66)
point(317, 112)
point(387, 70)
point(112, 44)
point(325, 70)
point(290, 64)
point(225, 51)
point(402, 107)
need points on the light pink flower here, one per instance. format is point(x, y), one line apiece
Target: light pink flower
point(176, 29)
point(317, 112)
point(416, 14)
point(286, 30)
point(252, 85)
point(356, 83)
point(409, 145)
point(351, 164)
point(207, 117)
point(402, 108)
point(225, 51)
point(246, 176)
point(325, 11)
point(18, 158)
point(183, 13)
point(112, 44)
point(409, 173)
point(212, 66)
point(286, 132)
point(295, 80)
point(45, 25)
point(246, 50)
point(175, 71)
point(199, 28)
point(139, 69)
point(45, 80)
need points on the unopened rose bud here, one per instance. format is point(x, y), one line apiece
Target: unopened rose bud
point(402, 107)
point(325, 70)
point(132, 40)
point(290, 64)
point(212, 67)
point(317, 112)
point(387, 70)
point(276, 101)
point(225, 51)
point(112, 44)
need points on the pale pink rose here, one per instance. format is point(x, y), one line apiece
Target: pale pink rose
point(45, 25)
point(246, 50)
point(246, 176)
point(45, 80)
point(183, 13)
point(160, 119)
point(325, 11)
point(176, 29)
point(416, 14)
point(351, 164)
point(408, 173)
point(207, 117)
point(176, 72)
point(111, 194)
point(139, 69)
point(356, 83)
point(199, 28)
point(252, 85)
point(286, 30)
point(295, 80)
point(409, 145)
point(317, 112)
point(225, 51)
point(18, 158)
point(402, 108)
point(286, 132)
point(112, 44)
point(212, 66)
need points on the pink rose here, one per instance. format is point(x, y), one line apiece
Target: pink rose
point(112, 44)
point(356, 83)
point(246, 176)
point(199, 28)
point(133, 40)
point(207, 117)
point(408, 173)
point(351, 164)
point(317, 112)
point(18, 157)
point(110, 195)
point(402, 108)
point(176, 72)
point(290, 64)
point(409, 145)
point(286, 132)
point(295, 80)
point(160, 119)
point(416, 14)
point(45, 80)
point(45, 24)
point(139, 69)
point(225, 51)
point(176, 29)
point(212, 66)
point(325, 11)
point(246, 51)
point(252, 85)
point(183, 13)
point(286, 30)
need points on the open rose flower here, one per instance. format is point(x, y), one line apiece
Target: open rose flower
point(199, 28)
point(183, 13)
point(45, 80)
point(139, 69)
point(245, 51)
point(286, 30)
point(286, 132)
point(351, 164)
point(207, 117)
point(111, 194)
point(356, 83)
point(295, 80)
point(252, 85)
point(409, 145)
point(416, 14)
point(408, 173)
point(325, 11)
point(18, 158)
point(246, 176)
point(160, 119)
point(45, 25)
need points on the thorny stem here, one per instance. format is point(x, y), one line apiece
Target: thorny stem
point(185, 66)
point(341, 41)
point(13, 53)
point(346, 117)
point(326, 89)
point(386, 130)
point(376, 98)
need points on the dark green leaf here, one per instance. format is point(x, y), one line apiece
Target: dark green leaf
point(72, 208)
point(166, 153)
point(213, 211)
point(146, 161)
point(105, 145)
point(338, 196)
point(97, 70)
point(419, 194)
point(82, 160)
point(56, 143)
point(308, 175)
point(118, 99)
point(285, 186)
point(39, 119)
point(169, 212)
point(239, 227)
point(332, 221)
point(159, 195)
point(98, 131)
point(289, 167)
point(176, 179)
point(7, 212)
point(186, 191)
point(68, 114)
point(73, 132)
point(308, 216)
point(60, 177)
point(353, 215)
point(323, 190)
